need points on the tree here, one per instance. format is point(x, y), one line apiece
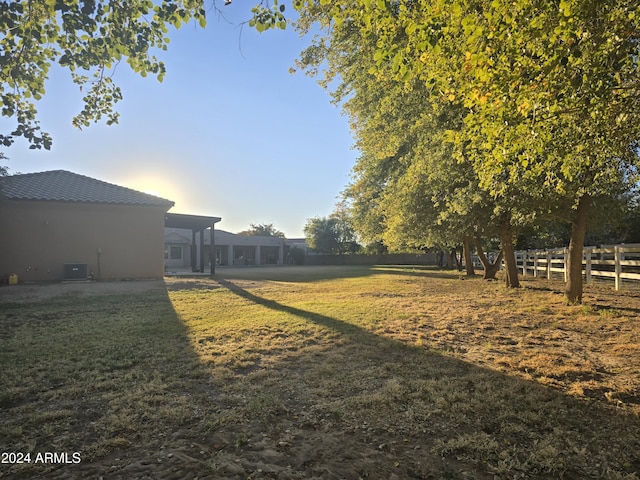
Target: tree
point(3, 169)
point(262, 230)
point(320, 235)
point(297, 254)
point(550, 91)
point(343, 228)
point(89, 38)
point(410, 190)
point(633, 223)
point(331, 235)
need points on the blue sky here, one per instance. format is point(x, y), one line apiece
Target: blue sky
point(229, 132)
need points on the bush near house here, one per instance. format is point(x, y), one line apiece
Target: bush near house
point(298, 255)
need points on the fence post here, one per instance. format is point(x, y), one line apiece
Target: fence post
point(618, 266)
point(524, 263)
point(565, 252)
point(548, 265)
point(535, 264)
point(587, 266)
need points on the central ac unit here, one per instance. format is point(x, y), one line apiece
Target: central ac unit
point(75, 271)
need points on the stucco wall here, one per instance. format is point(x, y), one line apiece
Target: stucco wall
point(38, 238)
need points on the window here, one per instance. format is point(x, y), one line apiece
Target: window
point(173, 253)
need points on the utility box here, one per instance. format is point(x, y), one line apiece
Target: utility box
point(75, 271)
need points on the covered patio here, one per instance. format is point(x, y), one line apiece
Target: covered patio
point(197, 224)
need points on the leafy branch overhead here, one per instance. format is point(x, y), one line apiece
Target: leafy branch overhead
point(89, 38)
point(269, 16)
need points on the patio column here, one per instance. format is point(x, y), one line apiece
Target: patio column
point(201, 251)
point(193, 251)
point(212, 249)
point(281, 253)
point(257, 254)
point(230, 255)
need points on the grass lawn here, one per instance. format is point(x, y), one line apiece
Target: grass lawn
point(320, 373)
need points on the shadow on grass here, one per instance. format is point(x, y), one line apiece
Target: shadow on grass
point(430, 271)
point(117, 378)
point(458, 413)
point(294, 273)
point(601, 296)
point(103, 380)
point(361, 335)
point(315, 273)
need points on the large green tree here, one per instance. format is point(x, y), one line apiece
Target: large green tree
point(550, 90)
point(333, 234)
point(410, 186)
point(262, 230)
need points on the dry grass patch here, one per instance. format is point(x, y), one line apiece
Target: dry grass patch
point(326, 372)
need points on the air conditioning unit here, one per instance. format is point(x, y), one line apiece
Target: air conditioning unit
point(75, 271)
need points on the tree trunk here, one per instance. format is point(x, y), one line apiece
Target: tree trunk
point(468, 261)
point(490, 268)
point(573, 290)
point(506, 241)
point(449, 257)
point(456, 259)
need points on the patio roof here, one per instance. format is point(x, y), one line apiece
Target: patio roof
point(195, 223)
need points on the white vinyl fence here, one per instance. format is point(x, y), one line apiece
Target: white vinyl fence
point(620, 262)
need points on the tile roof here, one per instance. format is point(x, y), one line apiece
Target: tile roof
point(64, 186)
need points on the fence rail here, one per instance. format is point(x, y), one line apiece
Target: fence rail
point(620, 262)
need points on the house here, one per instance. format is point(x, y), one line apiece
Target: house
point(230, 249)
point(59, 225)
